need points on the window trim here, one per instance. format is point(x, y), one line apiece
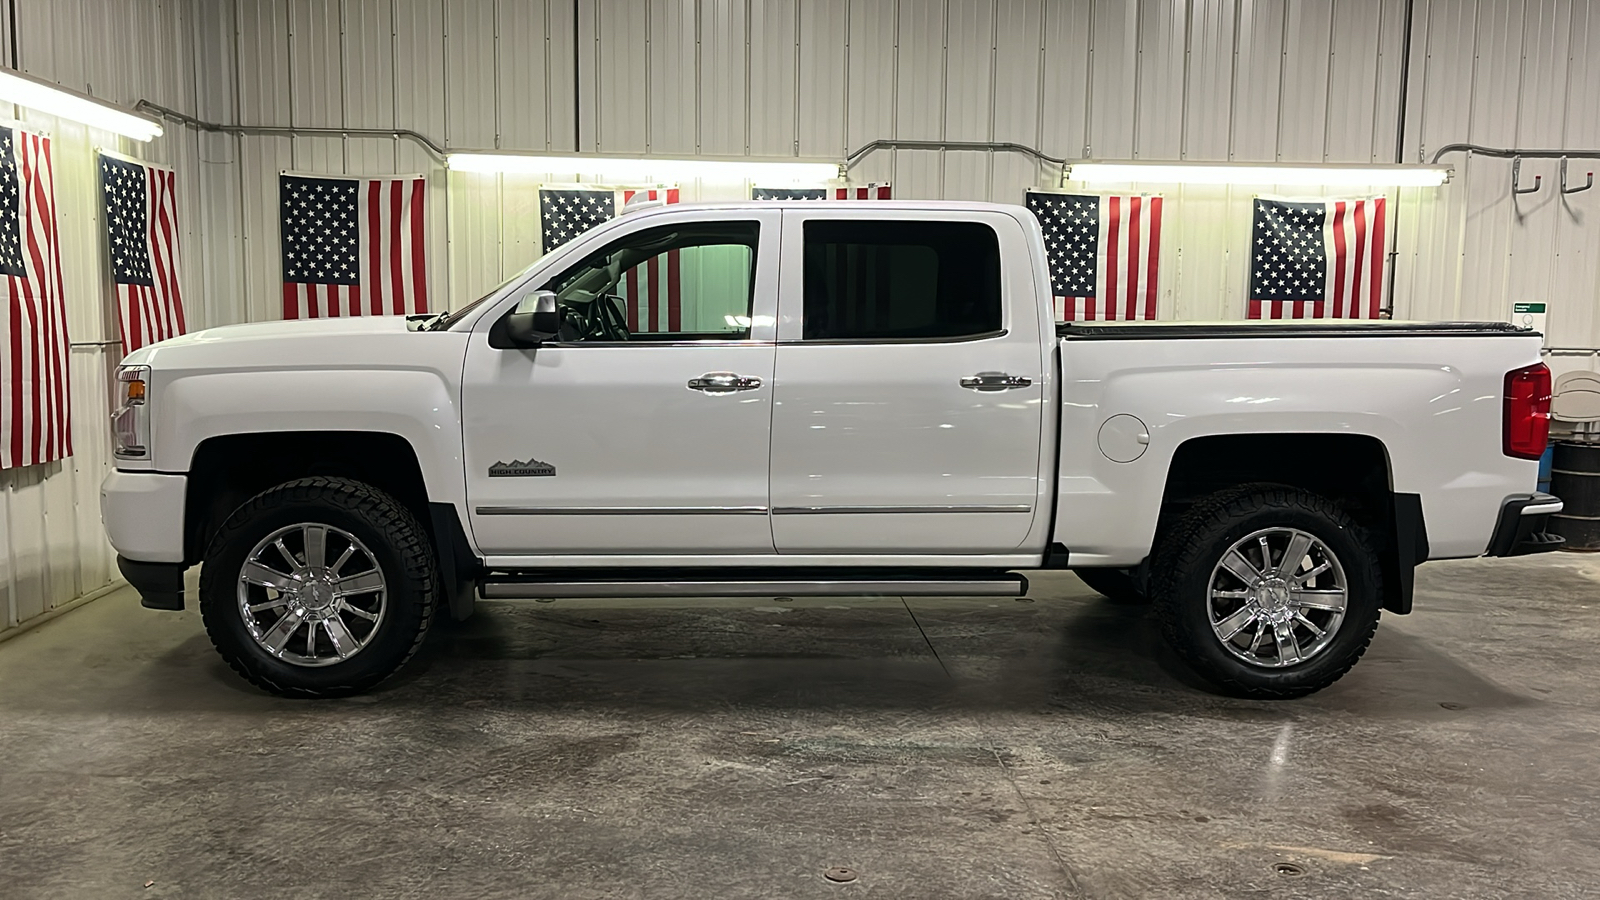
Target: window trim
point(713, 342)
point(856, 216)
point(840, 342)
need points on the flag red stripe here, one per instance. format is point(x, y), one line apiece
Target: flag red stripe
point(1134, 204)
point(175, 298)
point(397, 304)
point(14, 415)
point(1113, 250)
point(60, 443)
point(1358, 276)
point(1155, 258)
point(38, 213)
point(419, 278)
point(374, 233)
point(158, 264)
point(1379, 257)
point(674, 294)
point(1338, 260)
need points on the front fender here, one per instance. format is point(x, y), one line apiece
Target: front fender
point(418, 405)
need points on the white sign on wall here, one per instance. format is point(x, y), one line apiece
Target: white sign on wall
point(1529, 315)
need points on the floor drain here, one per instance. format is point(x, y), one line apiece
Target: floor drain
point(1289, 870)
point(841, 874)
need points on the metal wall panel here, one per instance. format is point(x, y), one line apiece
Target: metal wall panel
point(52, 548)
point(774, 59)
point(670, 115)
point(723, 72)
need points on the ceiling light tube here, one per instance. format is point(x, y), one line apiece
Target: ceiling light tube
point(1331, 175)
point(655, 169)
point(42, 96)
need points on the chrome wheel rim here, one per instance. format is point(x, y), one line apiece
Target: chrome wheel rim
point(1277, 597)
point(312, 595)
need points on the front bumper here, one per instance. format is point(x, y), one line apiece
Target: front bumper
point(160, 585)
point(143, 514)
point(1521, 529)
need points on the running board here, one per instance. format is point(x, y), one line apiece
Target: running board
point(513, 587)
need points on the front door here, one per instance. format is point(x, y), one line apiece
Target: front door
point(911, 384)
point(643, 428)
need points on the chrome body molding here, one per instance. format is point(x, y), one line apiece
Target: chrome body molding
point(875, 510)
point(999, 586)
point(621, 510)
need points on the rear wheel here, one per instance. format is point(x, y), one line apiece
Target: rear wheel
point(1114, 584)
point(320, 587)
point(1268, 591)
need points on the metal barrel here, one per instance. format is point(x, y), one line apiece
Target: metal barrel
point(1575, 478)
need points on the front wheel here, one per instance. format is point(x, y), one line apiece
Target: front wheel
point(320, 587)
point(1270, 592)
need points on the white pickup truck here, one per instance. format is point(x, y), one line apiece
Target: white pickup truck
point(815, 398)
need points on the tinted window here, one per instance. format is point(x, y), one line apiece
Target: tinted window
point(899, 280)
point(674, 282)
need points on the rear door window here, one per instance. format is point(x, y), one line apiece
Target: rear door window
point(898, 280)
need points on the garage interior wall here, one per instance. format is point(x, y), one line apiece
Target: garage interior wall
point(1203, 80)
point(53, 549)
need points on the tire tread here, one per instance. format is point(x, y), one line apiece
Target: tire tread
point(1181, 550)
point(408, 539)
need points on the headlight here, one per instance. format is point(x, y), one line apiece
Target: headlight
point(130, 423)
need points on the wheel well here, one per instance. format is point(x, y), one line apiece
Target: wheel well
point(1351, 470)
point(227, 471)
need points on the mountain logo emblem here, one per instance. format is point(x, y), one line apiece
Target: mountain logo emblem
point(519, 469)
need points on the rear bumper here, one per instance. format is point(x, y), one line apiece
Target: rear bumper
point(1521, 529)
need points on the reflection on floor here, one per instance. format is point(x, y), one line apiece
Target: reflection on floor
point(1041, 748)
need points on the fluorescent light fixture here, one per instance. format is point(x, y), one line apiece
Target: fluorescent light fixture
point(736, 168)
point(1259, 173)
point(42, 96)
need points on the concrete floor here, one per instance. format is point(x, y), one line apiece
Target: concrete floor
point(1050, 748)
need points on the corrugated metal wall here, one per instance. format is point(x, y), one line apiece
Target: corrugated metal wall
point(1316, 80)
point(53, 548)
point(1244, 80)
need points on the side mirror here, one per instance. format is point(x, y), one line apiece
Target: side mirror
point(528, 329)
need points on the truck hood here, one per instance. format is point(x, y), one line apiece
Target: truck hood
point(288, 344)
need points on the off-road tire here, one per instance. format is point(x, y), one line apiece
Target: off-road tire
point(396, 539)
point(1113, 584)
point(1181, 576)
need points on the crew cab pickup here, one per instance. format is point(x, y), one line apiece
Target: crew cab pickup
point(815, 398)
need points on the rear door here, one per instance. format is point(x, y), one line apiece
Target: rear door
point(909, 384)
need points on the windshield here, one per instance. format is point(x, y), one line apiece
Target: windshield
point(445, 320)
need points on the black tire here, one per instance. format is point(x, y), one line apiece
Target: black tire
point(1181, 587)
point(1114, 584)
point(396, 544)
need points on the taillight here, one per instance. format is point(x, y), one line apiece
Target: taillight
point(1526, 428)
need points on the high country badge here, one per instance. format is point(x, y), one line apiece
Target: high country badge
point(519, 469)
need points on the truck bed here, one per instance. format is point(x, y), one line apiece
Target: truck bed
point(1279, 328)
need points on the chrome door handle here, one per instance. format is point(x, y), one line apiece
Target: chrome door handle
point(723, 383)
point(995, 381)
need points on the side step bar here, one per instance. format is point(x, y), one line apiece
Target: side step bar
point(518, 587)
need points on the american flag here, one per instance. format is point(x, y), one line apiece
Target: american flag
point(1294, 276)
point(141, 215)
point(874, 191)
point(652, 291)
point(35, 402)
point(353, 246)
point(1104, 254)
